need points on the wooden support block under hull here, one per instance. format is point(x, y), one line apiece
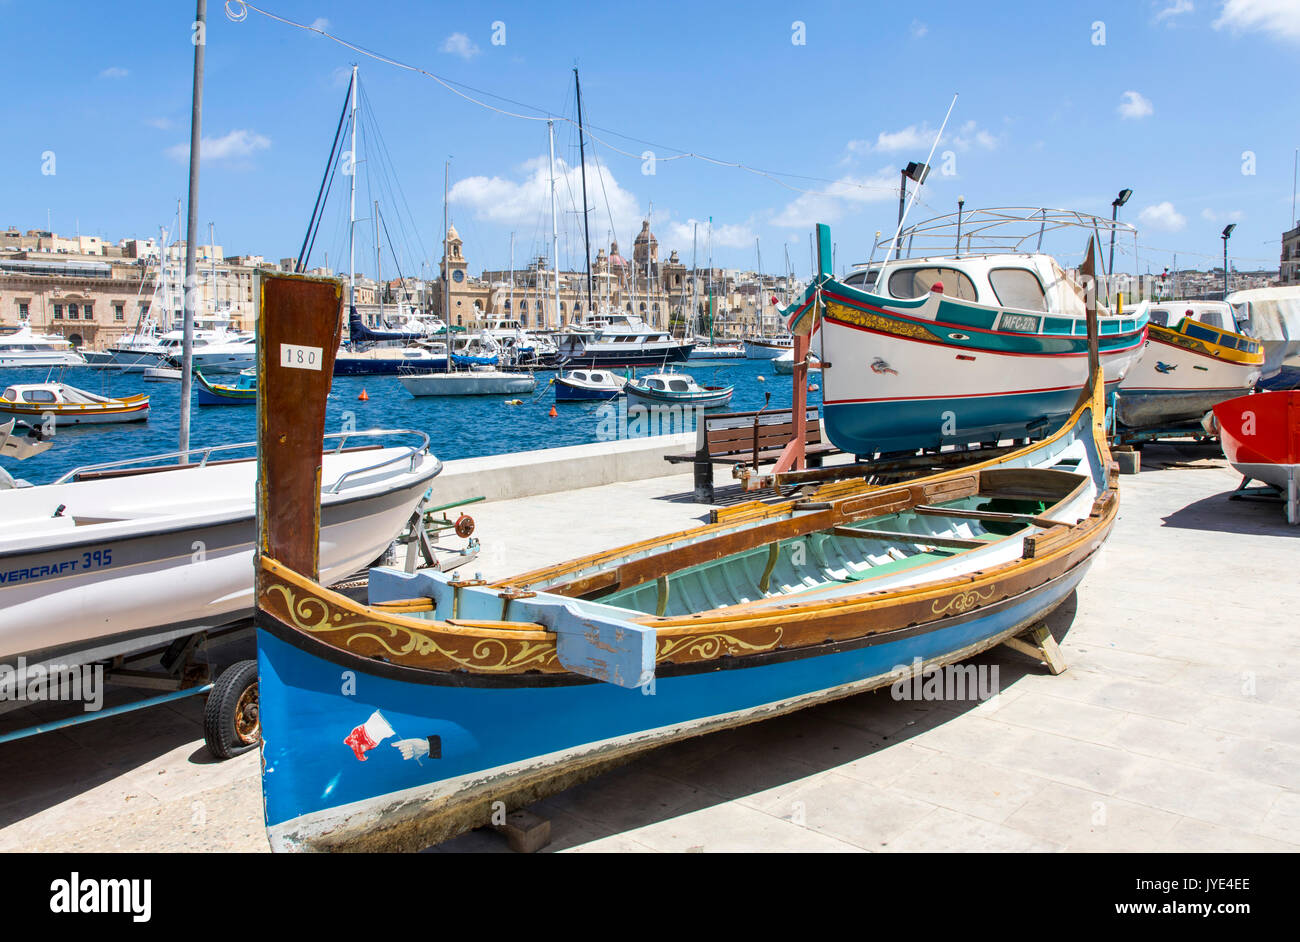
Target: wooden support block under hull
point(1041, 646)
point(527, 833)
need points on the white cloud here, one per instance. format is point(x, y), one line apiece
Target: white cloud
point(1134, 105)
point(162, 124)
point(1163, 217)
point(1278, 17)
point(320, 23)
point(1175, 9)
point(521, 202)
point(919, 29)
point(233, 146)
point(113, 72)
point(727, 235)
point(831, 202)
point(1211, 216)
point(458, 44)
point(918, 138)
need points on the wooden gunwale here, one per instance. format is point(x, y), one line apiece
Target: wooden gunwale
point(777, 625)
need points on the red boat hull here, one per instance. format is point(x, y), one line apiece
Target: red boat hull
point(1261, 438)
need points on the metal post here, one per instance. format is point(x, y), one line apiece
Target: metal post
point(352, 205)
point(192, 223)
point(902, 195)
point(1110, 266)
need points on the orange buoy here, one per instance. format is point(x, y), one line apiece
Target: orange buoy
point(553, 413)
point(812, 387)
point(363, 397)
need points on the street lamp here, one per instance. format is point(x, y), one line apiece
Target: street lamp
point(1115, 204)
point(913, 171)
point(961, 201)
point(1227, 234)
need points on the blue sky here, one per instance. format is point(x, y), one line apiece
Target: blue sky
point(1061, 104)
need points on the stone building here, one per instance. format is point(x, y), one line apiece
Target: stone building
point(1289, 273)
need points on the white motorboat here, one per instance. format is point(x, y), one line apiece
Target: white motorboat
point(22, 346)
point(619, 340)
point(784, 364)
point(767, 348)
point(122, 557)
point(480, 381)
point(704, 350)
point(676, 389)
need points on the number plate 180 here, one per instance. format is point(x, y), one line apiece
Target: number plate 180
point(300, 358)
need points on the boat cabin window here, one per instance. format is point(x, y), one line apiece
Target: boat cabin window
point(1211, 319)
point(916, 282)
point(656, 384)
point(39, 395)
point(862, 280)
point(1159, 317)
point(1018, 288)
point(11, 394)
point(678, 385)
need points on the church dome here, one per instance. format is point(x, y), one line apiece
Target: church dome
point(645, 234)
point(452, 234)
point(614, 257)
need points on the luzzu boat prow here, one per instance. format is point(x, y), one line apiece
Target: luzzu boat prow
point(400, 723)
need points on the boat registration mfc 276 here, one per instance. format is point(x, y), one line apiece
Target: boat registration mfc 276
point(89, 560)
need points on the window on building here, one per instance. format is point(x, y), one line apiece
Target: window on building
point(72, 312)
point(87, 311)
point(22, 310)
point(58, 312)
point(1017, 288)
point(119, 311)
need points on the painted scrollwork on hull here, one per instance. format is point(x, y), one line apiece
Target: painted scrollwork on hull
point(876, 322)
point(962, 602)
point(402, 644)
point(704, 647)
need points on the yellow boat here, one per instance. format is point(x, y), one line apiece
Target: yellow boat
point(33, 402)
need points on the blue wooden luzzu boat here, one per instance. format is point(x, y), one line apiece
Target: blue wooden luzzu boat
point(401, 722)
point(242, 392)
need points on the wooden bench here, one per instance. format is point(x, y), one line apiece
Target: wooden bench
point(729, 438)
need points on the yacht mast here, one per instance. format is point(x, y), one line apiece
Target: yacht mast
point(446, 268)
point(758, 296)
point(379, 281)
point(352, 204)
point(582, 158)
point(695, 284)
point(512, 278)
point(555, 231)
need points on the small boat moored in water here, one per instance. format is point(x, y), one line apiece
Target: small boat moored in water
point(469, 694)
point(479, 381)
point(677, 389)
point(1261, 439)
point(588, 386)
point(242, 392)
point(69, 405)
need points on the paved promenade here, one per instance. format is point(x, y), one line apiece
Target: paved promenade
point(1177, 726)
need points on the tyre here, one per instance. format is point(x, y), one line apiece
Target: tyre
point(231, 720)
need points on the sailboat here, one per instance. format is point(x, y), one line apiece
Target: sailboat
point(470, 693)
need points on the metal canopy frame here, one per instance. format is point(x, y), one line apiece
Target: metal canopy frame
point(997, 230)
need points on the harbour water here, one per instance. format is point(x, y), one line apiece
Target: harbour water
point(458, 427)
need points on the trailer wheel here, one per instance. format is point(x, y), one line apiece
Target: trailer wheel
point(231, 720)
